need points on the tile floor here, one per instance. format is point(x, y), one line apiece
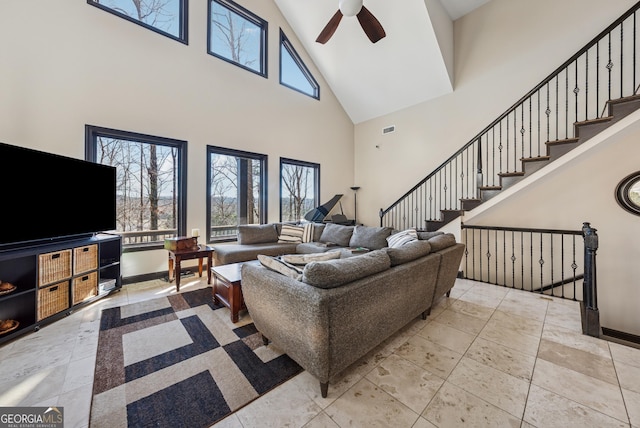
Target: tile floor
point(486, 356)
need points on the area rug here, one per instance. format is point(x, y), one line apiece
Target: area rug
point(179, 361)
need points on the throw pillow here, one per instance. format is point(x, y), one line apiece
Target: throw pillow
point(334, 273)
point(257, 233)
point(337, 234)
point(442, 241)
point(399, 239)
point(372, 238)
point(408, 252)
point(279, 266)
point(291, 234)
point(309, 232)
point(303, 259)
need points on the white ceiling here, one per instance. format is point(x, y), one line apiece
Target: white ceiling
point(412, 64)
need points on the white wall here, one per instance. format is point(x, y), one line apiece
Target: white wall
point(502, 50)
point(64, 64)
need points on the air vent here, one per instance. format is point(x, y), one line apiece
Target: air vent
point(388, 129)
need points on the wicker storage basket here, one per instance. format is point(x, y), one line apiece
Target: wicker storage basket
point(85, 259)
point(84, 287)
point(53, 299)
point(54, 267)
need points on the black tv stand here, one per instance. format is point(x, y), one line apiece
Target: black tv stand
point(53, 279)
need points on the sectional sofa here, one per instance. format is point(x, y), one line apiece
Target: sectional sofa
point(327, 314)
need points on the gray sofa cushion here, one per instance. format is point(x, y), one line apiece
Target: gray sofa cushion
point(334, 273)
point(257, 233)
point(337, 233)
point(429, 235)
point(303, 259)
point(313, 247)
point(409, 251)
point(442, 241)
point(369, 237)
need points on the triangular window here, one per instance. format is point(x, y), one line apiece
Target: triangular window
point(293, 73)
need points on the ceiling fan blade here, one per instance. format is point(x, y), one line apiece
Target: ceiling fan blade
point(330, 28)
point(371, 26)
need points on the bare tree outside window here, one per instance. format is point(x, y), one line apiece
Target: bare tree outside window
point(238, 36)
point(236, 191)
point(165, 16)
point(148, 191)
point(299, 182)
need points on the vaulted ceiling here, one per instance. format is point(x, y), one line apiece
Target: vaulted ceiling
point(412, 64)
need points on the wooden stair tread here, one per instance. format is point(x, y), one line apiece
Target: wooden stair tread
point(536, 159)
point(565, 141)
point(490, 187)
point(594, 121)
point(511, 174)
point(624, 99)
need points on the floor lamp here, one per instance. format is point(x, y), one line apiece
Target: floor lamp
point(355, 204)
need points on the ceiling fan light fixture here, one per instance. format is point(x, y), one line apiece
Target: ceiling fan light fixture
point(350, 7)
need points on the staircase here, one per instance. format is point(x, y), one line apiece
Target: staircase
point(580, 99)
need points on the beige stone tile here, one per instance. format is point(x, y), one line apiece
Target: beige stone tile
point(449, 337)
point(564, 313)
point(503, 334)
point(430, 356)
point(322, 420)
point(410, 384)
point(338, 385)
point(502, 358)
point(625, 354)
point(33, 387)
point(79, 373)
point(460, 321)
point(77, 405)
point(472, 309)
point(481, 297)
point(454, 407)
point(629, 376)
point(286, 405)
point(518, 324)
point(230, 421)
point(586, 390)
point(547, 409)
point(494, 386)
point(423, 423)
point(526, 305)
point(576, 340)
point(366, 405)
point(578, 360)
point(632, 401)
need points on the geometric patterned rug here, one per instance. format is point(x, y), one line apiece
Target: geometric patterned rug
point(178, 361)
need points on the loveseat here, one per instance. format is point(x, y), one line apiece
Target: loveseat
point(328, 314)
point(275, 239)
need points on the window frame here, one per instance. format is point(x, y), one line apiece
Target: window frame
point(183, 36)
point(91, 154)
point(254, 19)
point(316, 178)
point(263, 203)
point(286, 44)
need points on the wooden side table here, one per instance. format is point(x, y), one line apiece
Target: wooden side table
point(199, 252)
point(227, 287)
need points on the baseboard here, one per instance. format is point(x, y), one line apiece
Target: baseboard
point(621, 337)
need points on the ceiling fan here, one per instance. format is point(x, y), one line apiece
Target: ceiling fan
point(371, 26)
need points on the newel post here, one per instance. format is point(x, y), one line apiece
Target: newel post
point(589, 304)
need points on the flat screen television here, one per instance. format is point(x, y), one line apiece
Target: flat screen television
point(46, 197)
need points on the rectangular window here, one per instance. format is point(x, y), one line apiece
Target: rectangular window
point(167, 17)
point(237, 36)
point(237, 189)
point(299, 188)
point(294, 73)
point(150, 189)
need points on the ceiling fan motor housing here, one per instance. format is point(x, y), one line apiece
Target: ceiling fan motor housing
point(350, 7)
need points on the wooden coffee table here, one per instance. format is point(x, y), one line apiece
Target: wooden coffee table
point(227, 287)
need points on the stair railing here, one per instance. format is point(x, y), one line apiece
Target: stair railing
point(548, 262)
point(577, 91)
